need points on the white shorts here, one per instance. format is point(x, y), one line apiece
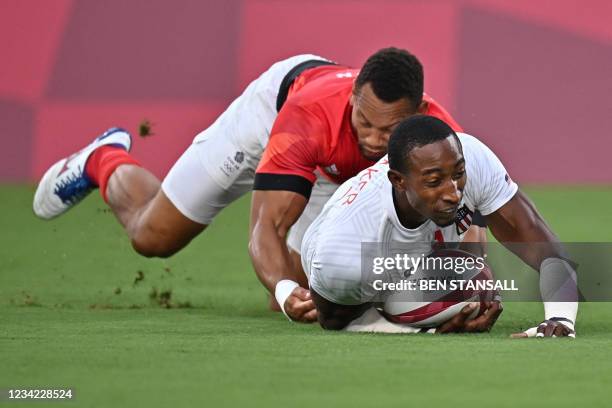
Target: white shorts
point(219, 166)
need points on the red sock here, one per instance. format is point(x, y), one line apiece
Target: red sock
point(103, 162)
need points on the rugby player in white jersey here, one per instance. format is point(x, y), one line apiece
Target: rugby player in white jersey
point(430, 178)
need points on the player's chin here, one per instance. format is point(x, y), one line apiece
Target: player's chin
point(372, 155)
point(444, 220)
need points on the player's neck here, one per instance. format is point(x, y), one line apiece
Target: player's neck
point(407, 216)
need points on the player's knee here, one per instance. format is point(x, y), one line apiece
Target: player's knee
point(154, 245)
point(332, 323)
point(331, 316)
point(160, 237)
point(152, 250)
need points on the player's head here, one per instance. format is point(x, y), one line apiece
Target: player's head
point(389, 88)
point(427, 166)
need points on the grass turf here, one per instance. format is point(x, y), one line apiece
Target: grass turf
point(79, 309)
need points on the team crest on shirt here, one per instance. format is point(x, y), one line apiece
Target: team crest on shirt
point(332, 170)
point(463, 220)
point(239, 157)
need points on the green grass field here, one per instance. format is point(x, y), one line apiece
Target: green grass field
point(79, 309)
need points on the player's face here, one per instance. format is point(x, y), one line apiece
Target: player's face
point(435, 180)
point(373, 120)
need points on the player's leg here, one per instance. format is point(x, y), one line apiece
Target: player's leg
point(155, 226)
point(343, 297)
point(159, 218)
point(219, 167)
point(334, 316)
point(216, 169)
point(133, 193)
point(334, 275)
point(336, 286)
point(162, 218)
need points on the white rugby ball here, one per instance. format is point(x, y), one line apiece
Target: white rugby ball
point(435, 308)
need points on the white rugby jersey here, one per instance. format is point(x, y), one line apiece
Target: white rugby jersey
point(362, 210)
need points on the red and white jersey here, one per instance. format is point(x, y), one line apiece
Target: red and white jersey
point(362, 211)
point(313, 132)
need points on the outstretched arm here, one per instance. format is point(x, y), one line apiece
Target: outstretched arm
point(518, 221)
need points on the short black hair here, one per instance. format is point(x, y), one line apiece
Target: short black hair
point(416, 131)
point(393, 74)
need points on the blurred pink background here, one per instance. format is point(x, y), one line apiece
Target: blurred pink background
point(533, 79)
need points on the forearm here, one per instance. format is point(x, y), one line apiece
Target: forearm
point(522, 230)
point(558, 281)
point(270, 257)
point(272, 215)
point(559, 290)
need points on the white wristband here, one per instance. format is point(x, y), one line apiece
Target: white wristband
point(283, 290)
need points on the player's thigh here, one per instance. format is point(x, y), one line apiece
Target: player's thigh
point(220, 164)
point(191, 196)
point(322, 190)
point(209, 176)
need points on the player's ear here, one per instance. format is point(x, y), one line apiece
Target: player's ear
point(397, 180)
point(423, 106)
point(353, 95)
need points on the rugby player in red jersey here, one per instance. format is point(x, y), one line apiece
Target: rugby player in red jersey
point(304, 121)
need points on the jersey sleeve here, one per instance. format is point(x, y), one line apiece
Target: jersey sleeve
point(292, 154)
point(489, 186)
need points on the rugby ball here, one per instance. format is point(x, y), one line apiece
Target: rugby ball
point(440, 299)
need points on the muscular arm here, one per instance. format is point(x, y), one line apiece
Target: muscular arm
point(283, 182)
point(273, 212)
point(518, 221)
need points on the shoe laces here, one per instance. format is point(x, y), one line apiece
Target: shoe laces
point(73, 187)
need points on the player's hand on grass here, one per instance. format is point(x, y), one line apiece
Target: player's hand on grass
point(548, 328)
point(483, 323)
point(300, 307)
